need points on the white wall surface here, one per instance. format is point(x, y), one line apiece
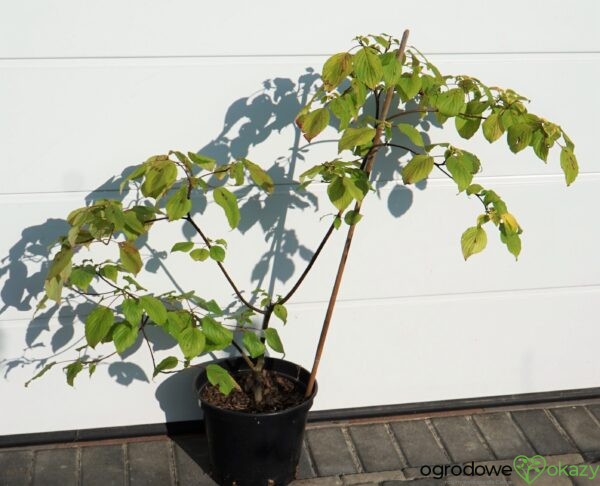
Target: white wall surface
point(87, 89)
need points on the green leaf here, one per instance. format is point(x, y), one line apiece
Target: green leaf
point(200, 254)
point(336, 69)
point(184, 246)
point(132, 310)
point(460, 170)
point(133, 282)
point(111, 272)
point(228, 202)
point(493, 127)
point(313, 123)
point(417, 169)
point(281, 312)
point(177, 322)
point(367, 67)
point(136, 174)
point(217, 253)
point(273, 340)
point(40, 373)
point(338, 193)
point(209, 305)
point(541, 144)
point(352, 217)
point(451, 102)
point(53, 288)
point(202, 161)
point(519, 136)
point(474, 189)
point(412, 133)
point(355, 136)
point(511, 240)
point(154, 308)
point(343, 109)
point(130, 257)
point(569, 165)
point(473, 241)
point(60, 262)
point(337, 222)
point(259, 176)
point(220, 378)
point(466, 126)
point(97, 325)
point(216, 333)
point(133, 224)
point(73, 370)
point(191, 341)
point(159, 179)
point(392, 68)
point(166, 364)
point(178, 204)
point(253, 345)
point(124, 336)
point(115, 215)
point(91, 368)
point(409, 86)
point(82, 276)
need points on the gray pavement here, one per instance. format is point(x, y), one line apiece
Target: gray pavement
point(401, 451)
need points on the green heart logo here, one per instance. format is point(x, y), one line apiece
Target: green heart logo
point(529, 468)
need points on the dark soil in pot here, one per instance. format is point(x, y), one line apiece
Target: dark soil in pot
point(256, 448)
point(278, 393)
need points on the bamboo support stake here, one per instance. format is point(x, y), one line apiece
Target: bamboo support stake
point(338, 278)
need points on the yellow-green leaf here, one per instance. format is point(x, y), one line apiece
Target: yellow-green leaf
point(273, 340)
point(220, 378)
point(259, 176)
point(493, 127)
point(367, 67)
point(338, 193)
point(451, 102)
point(191, 341)
point(178, 204)
point(130, 257)
point(336, 69)
point(228, 202)
point(97, 325)
point(353, 137)
point(412, 133)
point(417, 169)
point(569, 165)
point(313, 123)
point(154, 308)
point(473, 241)
point(253, 345)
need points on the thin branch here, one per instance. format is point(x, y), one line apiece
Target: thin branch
point(310, 265)
point(120, 289)
point(155, 219)
point(389, 144)
point(410, 112)
point(367, 166)
point(244, 355)
point(149, 347)
point(222, 267)
point(439, 166)
point(98, 360)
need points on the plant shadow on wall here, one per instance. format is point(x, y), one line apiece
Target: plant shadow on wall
point(248, 123)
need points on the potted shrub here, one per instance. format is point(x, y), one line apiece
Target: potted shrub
point(257, 402)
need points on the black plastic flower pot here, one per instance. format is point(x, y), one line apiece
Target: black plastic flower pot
point(256, 449)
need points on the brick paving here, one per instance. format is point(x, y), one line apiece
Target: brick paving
point(387, 451)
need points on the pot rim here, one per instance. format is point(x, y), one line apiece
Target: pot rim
point(204, 404)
